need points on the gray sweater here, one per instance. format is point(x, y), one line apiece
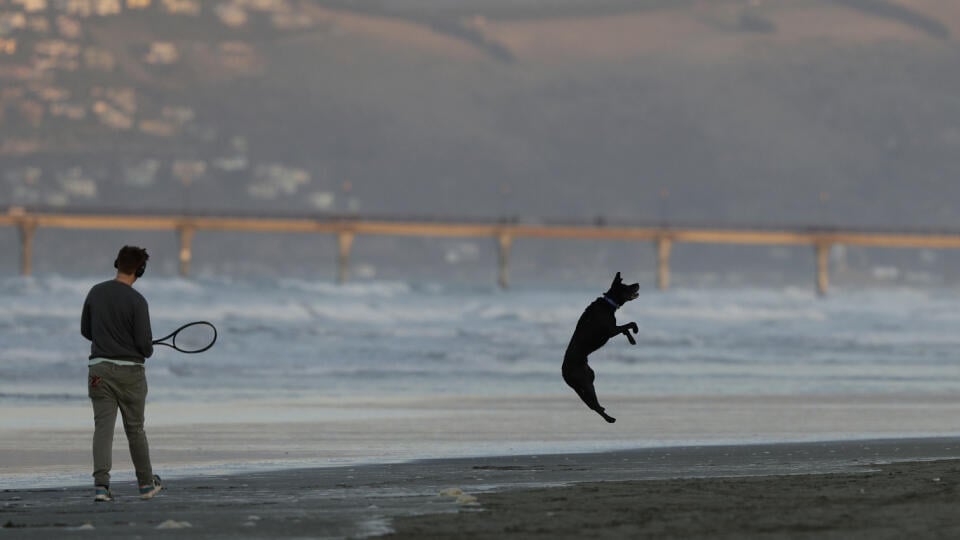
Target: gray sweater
point(116, 320)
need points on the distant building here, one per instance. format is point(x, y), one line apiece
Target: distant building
point(75, 183)
point(237, 55)
point(231, 14)
point(71, 111)
point(38, 24)
point(8, 46)
point(158, 128)
point(32, 111)
point(123, 97)
point(31, 6)
point(188, 170)
point(51, 93)
point(291, 21)
point(97, 58)
point(162, 53)
point(178, 115)
point(111, 116)
point(322, 200)
point(231, 164)
point(68, 27)
point(12, 21)
point(142, 174)
point(11, 93)
point(265, 5)
point(182, 7)
point(80, 8)
point(56, 54)
point(275, 179)
point(108, 7)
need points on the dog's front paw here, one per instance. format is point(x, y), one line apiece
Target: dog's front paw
point(633, 327)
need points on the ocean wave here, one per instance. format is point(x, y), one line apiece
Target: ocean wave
point(51, 397)
point(733, 312)
point(392, 338)
point(380, 289)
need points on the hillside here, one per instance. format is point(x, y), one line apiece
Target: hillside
point(776, 112)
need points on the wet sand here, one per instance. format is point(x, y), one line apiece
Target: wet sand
point(839, 489)
point(904, 500)
point(49, 446)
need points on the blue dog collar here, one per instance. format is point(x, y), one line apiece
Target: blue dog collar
point(611, 302)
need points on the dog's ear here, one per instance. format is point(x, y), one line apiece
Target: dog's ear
point(617, 279)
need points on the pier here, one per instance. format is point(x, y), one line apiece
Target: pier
point(346, 231)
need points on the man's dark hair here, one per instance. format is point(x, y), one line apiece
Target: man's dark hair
point(131, 259)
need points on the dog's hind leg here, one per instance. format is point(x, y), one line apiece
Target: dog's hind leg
point(589, 396)
point(582, 383)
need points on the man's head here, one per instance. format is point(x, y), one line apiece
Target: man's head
point(131, 260)
point(620, 292)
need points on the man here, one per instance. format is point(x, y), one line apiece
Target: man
point(116, 320)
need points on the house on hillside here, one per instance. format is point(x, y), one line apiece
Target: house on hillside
point(188, 170)
point(56, 54)
point(51, 93)
point(71, 111)
point(182, 7)
point(75, 183)
point(79, 8)
point(38, 24)
point(111, 116)
point(231, 15)
point(157, 128)
point(162, 53)
point(11, 21)
point(178, 115)
point(31, 6)
point(291, 21)
point(8, 46)
point(68, 27)
point(237, 55)
point(99, 58)
point(108, 7)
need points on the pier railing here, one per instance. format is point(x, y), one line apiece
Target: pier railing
point(504, 233)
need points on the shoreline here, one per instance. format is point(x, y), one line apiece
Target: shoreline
point(369, 500)
point(252, 436)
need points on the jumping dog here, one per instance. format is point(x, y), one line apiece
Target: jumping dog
point(595, 327)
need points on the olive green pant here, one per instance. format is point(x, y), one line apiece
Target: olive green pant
point(113, 387)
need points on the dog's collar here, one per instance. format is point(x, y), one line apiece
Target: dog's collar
point(611, 302)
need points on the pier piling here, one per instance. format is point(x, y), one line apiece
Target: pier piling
point(27, 229)
point(823, 267)
point(504, 244)
point(344, 246)
point(186, 249)
point(664, 247)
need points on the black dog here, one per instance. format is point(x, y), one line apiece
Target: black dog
point(597, 325)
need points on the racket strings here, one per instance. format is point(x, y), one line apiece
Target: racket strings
point(191, 338)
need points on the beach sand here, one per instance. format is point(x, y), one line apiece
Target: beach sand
point(904, 500)
point(838, 489)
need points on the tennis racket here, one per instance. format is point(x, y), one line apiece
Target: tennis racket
point(190, 338)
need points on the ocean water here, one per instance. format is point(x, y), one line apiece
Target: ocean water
point(301, 338)
point(309, 373)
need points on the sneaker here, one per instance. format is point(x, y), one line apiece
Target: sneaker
point(103, 494)
point(148, 492)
